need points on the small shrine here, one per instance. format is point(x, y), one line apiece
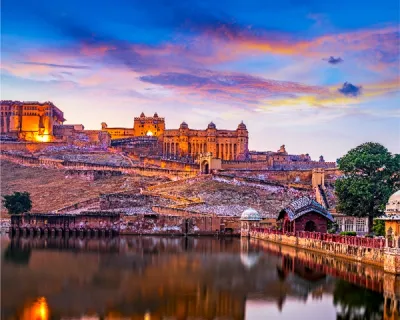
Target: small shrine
point(250, 218)
point(392, 231)
point(304, 214)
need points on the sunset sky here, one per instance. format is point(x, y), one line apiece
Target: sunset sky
point(319, 76)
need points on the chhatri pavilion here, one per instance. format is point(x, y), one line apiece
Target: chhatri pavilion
point(392, 221)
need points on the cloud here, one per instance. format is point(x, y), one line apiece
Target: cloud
point(350, 90)
point(333, 60)
point(225, 87)
point(53, 65)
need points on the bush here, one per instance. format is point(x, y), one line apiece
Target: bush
point(18, 202)
point(348, 233)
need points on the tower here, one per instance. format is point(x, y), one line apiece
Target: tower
point(212, 139)
point(184, 149)
point(243, 142)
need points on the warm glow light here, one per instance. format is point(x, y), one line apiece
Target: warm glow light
point(147, 316)
point(42, 138)
point(149, 133)
point(39, 310)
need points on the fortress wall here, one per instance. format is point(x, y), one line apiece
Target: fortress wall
point(284, 177)
point(302, 165)
point(29, 146)
point(133, 170)
point(170, 164)
point(91, 175)
point(78, 205)
point(121, 200)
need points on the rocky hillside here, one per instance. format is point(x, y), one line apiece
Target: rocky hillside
point(225, 197)
point(50, 190)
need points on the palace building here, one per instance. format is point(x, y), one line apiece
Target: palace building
point(30, 121)
point(186, 142)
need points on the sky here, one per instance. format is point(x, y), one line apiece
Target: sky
point(320, 77)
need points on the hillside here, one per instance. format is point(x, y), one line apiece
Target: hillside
point(50, 190)
point(226, 197)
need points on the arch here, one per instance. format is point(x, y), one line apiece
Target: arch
point(310, 226)
point(205, 167)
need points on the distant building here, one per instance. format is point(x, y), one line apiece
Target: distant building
point(185, 142)
point(29, 120)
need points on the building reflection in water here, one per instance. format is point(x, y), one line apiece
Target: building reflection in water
point(38, 310)
point(179, 278)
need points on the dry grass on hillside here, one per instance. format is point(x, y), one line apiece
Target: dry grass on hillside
point(216, 193)
point(50, 190)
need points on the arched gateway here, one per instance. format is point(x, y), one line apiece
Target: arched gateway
point(208, 163)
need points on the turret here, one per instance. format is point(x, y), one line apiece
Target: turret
point(243, 141)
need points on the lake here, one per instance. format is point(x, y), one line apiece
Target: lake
point(181, 278)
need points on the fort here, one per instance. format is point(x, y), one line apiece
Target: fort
point(34, 126)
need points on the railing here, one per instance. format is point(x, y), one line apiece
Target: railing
point(354, 241)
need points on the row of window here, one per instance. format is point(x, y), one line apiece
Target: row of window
point(349, 225)
point(15, 113)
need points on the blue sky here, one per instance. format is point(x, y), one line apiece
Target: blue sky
point(317, 76)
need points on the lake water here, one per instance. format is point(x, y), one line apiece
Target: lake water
point(178, 278)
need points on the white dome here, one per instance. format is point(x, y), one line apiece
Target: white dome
point(250, 215)
point(393, 205)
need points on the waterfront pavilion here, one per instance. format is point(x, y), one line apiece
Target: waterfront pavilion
point(304, 214)
point(392, 221)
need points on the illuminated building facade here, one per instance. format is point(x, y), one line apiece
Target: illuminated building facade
point(185, 142)
point(30, 121)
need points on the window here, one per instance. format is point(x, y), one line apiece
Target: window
point(348, 225)
point(360, 225)
point(340, 223)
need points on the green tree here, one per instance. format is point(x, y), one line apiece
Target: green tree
point(378, 228)
point(18, 202)
point(371, 175)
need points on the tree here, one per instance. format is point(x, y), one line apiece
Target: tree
point(17, 203)
point(371, 175)
point(379, 228)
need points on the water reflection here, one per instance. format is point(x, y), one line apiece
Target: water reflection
point(182, 278)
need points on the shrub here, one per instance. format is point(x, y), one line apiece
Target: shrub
point(348, 233)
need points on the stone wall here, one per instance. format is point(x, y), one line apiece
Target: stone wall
point(169, 164)
point(156, 224)
point(78, 205)
point(277, 165)
point(140, 170)
point(29, 146)
point(297, 177)
point(355, 253)
point(122, 200)
point(91, 175)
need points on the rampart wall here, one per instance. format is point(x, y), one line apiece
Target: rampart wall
point(78, 205)
point(169, 164)
point(277, 165)
point(55, 163)
point(91, 175)
point(29, 146)
point(299, 178)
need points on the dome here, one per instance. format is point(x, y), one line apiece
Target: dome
point(184, 125)
point(393, 205)
point(155, 115)
point(242, 126)
point(250, 215)
point(142, 115)
point(211, 125)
